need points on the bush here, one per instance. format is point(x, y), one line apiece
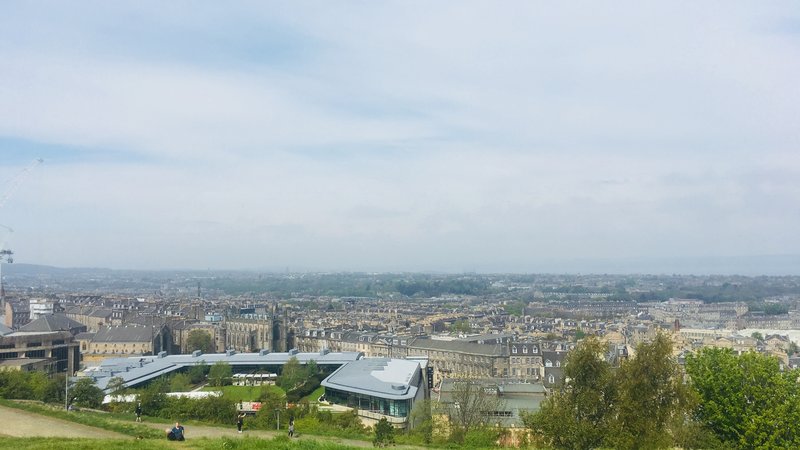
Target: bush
point(384, 433)
point(481, 438)
point(85, 393)
point(210, 409)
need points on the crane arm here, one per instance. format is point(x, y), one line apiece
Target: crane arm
point(14, 184)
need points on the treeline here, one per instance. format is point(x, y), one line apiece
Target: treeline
point(436, 287)
point(282, 286)
point(352, 285)
point(31, 386)
point(21, 385)
point(729, 402)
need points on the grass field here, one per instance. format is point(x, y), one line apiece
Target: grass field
point(312, 397)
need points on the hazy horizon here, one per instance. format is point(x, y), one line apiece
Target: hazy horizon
point(750, 266)
point(411, 136)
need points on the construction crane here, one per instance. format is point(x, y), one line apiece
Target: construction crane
point(15, 182)
point(6, 255)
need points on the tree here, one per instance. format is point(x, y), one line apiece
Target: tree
point(154, 397)
point(291, 374)
point(793, 348)
point(53, 391)
point(312, 368)
point(200, 340)
point(421, 421)
point(197, 374)
point(462, 326)
point(470, 406)
point(643, 404)
point(272, 404)
point(14, 384)
point(85, 393)
point(116, 386)
point(578, 416)
point(220, 372)
point(649, 382)
point(384, 433)
point(180, 382)
point(746, 401)
point(757, 336)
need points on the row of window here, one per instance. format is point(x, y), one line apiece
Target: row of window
point(524, 349)
point(529, 371)
point(520, 360)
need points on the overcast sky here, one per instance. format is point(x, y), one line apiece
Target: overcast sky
point(447, 136)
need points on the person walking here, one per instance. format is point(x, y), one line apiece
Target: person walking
point(139, 412)
point(240, 421)
point(291, 427)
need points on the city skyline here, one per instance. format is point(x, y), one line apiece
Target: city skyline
point(403, 136)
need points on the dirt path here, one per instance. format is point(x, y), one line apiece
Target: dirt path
point(20, 423)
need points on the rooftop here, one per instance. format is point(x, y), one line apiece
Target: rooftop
point(52, 322)
point(380, 377)
point(139, 369)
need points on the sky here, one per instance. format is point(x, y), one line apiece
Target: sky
point(403, 136)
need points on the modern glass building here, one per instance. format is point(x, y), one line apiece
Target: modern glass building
point(378, 387)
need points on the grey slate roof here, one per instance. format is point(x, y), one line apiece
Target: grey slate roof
point(458, 346)
point(513, 397)
point(103, 313)
point(139, 369)
point(379, 377)
point(126, 333)
point(53, 322)
point(4, 329)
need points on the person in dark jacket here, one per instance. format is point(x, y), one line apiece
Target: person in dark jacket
point(240, 421)
point(138, 412)
point(176, 433)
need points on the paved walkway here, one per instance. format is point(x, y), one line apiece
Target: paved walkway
point(202, 431)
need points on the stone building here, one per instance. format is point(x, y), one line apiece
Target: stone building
point(47, 351)
point(449, 358)
point(553, 368)
point(457, 359)
point(93, 317)
point(525, 360)
point(126, 340)
point(182, 329)
point(254, 332)
point(17, 313)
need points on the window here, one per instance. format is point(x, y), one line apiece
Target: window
point(558, 363)
point(514, 349)
point(524, 349)
point(551, 379)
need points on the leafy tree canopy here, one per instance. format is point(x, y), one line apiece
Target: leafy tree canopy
point(747, 401)
point(219, 373)
point(200, 340)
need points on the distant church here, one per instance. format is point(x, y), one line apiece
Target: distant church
point(258, 328)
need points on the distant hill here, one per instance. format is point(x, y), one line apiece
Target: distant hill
point(21, 269)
